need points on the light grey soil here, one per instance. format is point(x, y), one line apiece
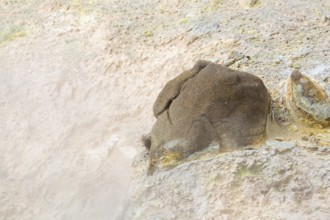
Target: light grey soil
point(281, 180)
point(77, 83)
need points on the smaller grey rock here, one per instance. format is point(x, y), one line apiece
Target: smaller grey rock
point(233, 58)
point(307, 99)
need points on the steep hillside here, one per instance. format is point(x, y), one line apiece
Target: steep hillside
point(77, 84)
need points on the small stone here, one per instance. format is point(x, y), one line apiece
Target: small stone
point(233, 58)
point(281, 146)
point(279, 139)
point(306, 100)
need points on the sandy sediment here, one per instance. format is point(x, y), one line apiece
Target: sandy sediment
point(78, 80)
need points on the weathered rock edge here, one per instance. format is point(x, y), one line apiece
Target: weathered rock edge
point(208, 105)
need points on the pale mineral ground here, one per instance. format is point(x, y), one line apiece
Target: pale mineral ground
point(77, 83)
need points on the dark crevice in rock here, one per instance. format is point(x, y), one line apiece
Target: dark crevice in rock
point(173, 89)
point(168, 116)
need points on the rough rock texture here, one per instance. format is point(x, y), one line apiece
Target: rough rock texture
point(277, 181)
point(173, 88)
point(209, 104)
point(78, 80)
point(307, 99)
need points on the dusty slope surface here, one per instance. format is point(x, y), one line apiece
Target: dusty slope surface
point(67, 138)
point(78, 80)
point(276, 181)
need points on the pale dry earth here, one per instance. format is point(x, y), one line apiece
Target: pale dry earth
point(77, 84)
point(280, 180)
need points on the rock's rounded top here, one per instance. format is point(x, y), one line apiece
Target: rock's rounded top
point(173, 87)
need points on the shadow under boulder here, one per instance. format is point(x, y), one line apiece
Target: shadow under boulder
point(208, 105)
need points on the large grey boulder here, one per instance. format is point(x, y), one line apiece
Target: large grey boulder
point(208, 105)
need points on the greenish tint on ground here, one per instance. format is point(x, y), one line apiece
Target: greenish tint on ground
point(12, 34)
point(245, 171)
